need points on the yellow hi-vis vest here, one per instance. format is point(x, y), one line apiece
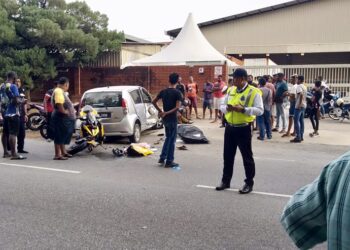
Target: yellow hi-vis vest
point(246, 99)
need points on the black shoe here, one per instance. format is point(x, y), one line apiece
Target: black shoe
point(161, 162)
point(23, 152)
point(246, 189)
point(222, 186)
point(259, 138)
point(295, 140)
point(171, 165)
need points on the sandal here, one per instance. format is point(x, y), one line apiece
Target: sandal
point(68, 155)
point(286, 135)
point(60, 158)
point(18, 157)
point(6, 156)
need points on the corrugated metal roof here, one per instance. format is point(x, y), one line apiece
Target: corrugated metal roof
point(175, 32)
point(134, 39)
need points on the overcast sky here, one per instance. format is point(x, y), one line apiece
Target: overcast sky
point(150, 19)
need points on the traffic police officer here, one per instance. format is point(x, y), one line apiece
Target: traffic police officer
point(242, 104)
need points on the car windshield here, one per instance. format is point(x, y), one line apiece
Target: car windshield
point(103, 99)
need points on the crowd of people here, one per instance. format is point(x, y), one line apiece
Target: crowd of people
point(14, 116)
point(238, 106)
point(282, 98)
point(59, 111)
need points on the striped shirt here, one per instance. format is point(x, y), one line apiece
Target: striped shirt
point(320, 211)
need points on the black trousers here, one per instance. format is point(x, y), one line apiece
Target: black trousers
point(314, 118)
point(50, 128)
point(21, 135)
point(240, 137)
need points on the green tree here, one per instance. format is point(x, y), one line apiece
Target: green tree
point(36, 36)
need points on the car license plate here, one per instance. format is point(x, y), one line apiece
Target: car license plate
point(105, 115)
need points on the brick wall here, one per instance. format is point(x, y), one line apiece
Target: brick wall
point(153, 78)
point(159, 75)
point(100, 77)
point(95, 78)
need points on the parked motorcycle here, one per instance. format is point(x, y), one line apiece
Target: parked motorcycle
point(91, 131)
point(34, 107)
point(36, 119)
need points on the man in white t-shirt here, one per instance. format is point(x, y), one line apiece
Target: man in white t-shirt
point(300, 106)
point(291, 96)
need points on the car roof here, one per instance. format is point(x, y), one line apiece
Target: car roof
point(113, 88)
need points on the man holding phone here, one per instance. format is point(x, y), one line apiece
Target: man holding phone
point(242, 103)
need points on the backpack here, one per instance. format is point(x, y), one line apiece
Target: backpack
point(4, 99)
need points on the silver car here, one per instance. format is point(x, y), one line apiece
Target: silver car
point(124, 110)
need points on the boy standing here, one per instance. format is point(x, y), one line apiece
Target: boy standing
point(218, 97)
point(171, 98)
point(300, 105)
point(192, 92)
point(208, 98)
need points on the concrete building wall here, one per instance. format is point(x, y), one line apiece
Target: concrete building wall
point(131, 52)
point(316, 26)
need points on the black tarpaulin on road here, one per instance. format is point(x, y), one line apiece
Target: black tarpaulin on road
point(191, 134)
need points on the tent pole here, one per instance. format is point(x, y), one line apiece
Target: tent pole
point(148, 79)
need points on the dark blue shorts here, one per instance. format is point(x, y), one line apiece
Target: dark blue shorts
point(291, 109)
point(12, 123)
point(208, 104)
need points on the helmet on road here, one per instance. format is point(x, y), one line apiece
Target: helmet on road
point(340, 102)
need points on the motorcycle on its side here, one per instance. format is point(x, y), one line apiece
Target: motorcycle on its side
point(336, 108)
point(91, 131)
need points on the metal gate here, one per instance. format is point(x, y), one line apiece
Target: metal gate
point(337, 76)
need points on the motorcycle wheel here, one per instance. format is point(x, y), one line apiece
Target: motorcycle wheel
point(332, 114)
point(76, 148)
point(35, 121)
point(43, 131)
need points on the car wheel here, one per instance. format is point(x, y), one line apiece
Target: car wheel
point(137, 134)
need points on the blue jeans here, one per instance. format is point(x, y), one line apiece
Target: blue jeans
point(264, 124)
point(299, 123)
point(170, 140)
point(322, 110)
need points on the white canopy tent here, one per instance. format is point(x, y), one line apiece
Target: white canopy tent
point(189, 48)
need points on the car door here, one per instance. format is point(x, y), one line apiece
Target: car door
point(151, 112)
point(139, 107)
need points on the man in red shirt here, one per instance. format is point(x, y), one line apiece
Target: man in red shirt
point(218, 97)
point(192, 91)
point(48, 109)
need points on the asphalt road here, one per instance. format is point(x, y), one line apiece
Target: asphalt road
point(102, 202)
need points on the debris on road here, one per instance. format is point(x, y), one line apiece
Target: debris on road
point(191, 134)
point(139, 149)
point(135, 150)
point(178, 168)
point(183, 147)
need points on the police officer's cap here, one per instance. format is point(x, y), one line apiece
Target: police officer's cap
point(239, 73)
